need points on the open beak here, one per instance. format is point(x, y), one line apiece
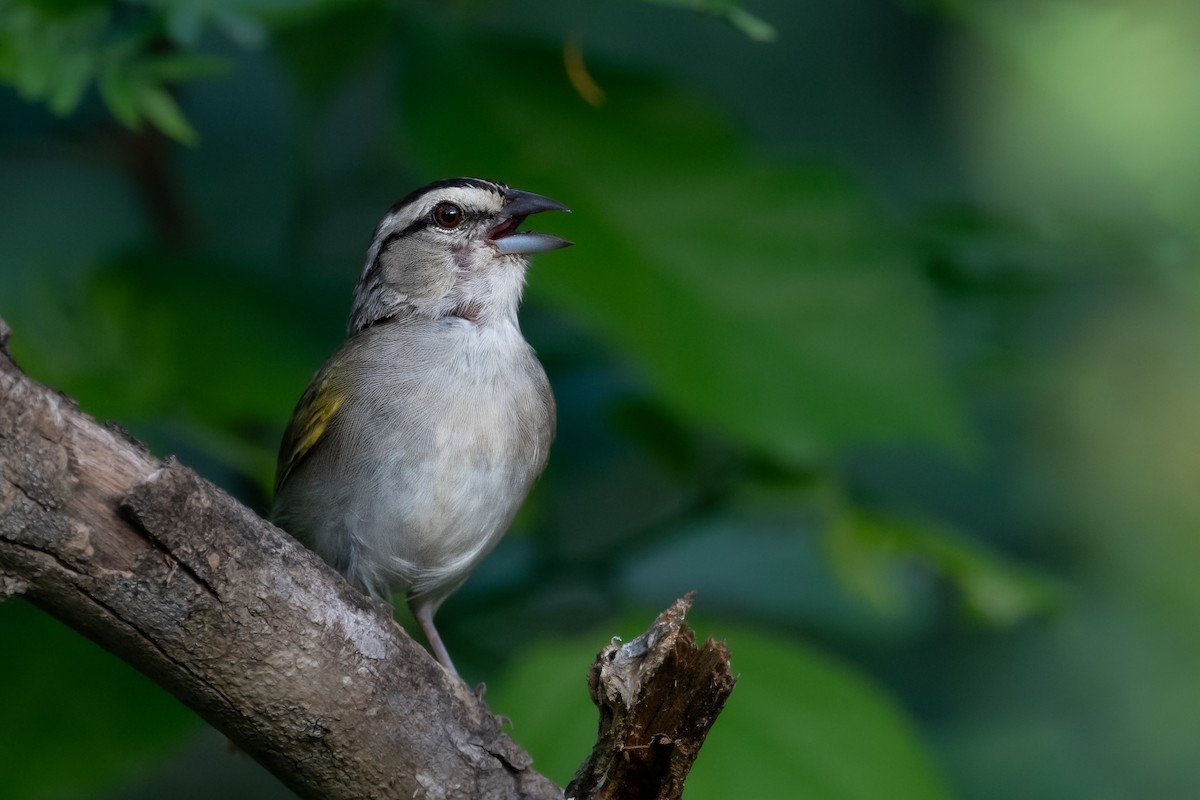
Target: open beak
point(506, 236)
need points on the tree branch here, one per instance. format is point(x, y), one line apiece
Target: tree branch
point(272, 647)
point(658, 696)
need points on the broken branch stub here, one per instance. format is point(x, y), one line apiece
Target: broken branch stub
point(658, 696)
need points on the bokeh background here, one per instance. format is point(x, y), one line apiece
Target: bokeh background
point(880, 334)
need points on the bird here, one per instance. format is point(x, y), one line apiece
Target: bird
point(410, 452)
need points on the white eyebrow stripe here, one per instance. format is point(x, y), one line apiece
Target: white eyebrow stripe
point(470, 198)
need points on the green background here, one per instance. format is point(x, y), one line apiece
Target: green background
point(880, 334)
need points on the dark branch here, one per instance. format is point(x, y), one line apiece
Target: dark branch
point(658, 697)
point(272, 647)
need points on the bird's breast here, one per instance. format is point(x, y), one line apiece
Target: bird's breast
point(464, 440)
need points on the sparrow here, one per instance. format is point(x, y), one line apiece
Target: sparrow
point(411, 450)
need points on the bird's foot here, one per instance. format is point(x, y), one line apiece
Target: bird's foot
point(480, 691)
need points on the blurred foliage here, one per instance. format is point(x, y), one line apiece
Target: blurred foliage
point(836, 734)
point(880, 333)
point(110, 742)
point(52, 50)
point(754, 27)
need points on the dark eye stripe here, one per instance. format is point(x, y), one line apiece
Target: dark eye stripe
point(427, 221)
point(416, 225)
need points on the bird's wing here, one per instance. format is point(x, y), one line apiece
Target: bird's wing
point(317, 408)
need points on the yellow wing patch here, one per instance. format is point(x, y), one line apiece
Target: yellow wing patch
point(317, 407)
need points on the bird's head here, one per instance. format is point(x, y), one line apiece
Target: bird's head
point(452, 248)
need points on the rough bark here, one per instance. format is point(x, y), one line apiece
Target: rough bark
point(658, 697)
point(267, 643)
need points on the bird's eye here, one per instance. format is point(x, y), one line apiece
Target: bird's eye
point(447, 215)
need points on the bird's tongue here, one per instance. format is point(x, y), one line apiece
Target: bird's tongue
point(506, 228)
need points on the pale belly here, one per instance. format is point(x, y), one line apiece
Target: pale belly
point(416, 486)
point(440, 501)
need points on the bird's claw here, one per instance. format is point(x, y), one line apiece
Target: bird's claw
point(480, 691)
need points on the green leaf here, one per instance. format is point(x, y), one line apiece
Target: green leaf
point(75, 71)
point(869, 551)
point(50, 56)
point(178, 67)
point(133, 89)
point(68, 696)
point(120, 94)
point(803, 724)
point(752, 26)
point(53, 53)
point(770, 301)
point(161, 110)
point(799, 723)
